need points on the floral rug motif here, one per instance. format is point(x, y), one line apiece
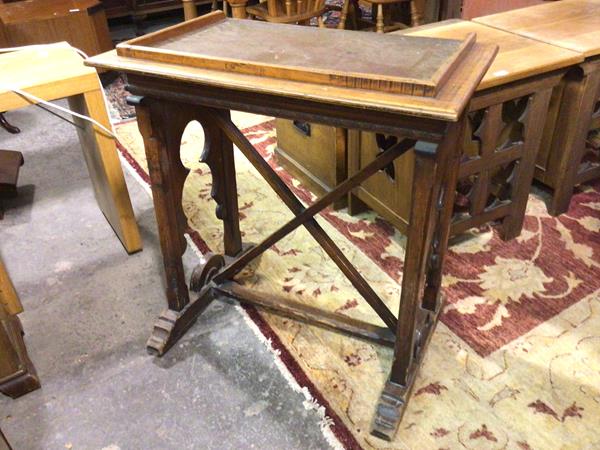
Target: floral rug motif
point(514, 362)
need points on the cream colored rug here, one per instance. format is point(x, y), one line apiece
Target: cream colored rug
point(515, 360)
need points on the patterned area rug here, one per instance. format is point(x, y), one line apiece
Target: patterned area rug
point(515, 360)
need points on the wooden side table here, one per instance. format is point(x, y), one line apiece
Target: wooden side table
point(169, 96)
point(505, 123)
point(55, 72)
point(573, 25)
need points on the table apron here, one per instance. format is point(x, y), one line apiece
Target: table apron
point(426, 129)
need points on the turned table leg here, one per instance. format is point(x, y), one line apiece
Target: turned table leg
point(238, 8)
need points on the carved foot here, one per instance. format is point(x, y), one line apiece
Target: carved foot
point(392, 403)
point(24, 379)
point(21, 384)
point(171, 325)
point(390, 409)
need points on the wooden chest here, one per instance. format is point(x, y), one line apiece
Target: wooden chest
point(81, 23)
point(504, 128)
point(565, 160)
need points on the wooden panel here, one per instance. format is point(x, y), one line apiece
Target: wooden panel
point(309, 153)
point(504, 129)
point(518, 57)
point(476, 8)
point(81, 23)
point(572, 24)
point(365, 61)
point(9, 301)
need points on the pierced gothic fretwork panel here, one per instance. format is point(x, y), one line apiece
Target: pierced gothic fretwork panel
point(591, 157)
point(514, 113)
point(472, 142)
point(492, 131)
point(385, 142)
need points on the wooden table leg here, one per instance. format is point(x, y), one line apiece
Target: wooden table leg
point(569, 141)
point(434, 181)
point(189, 9)
point(4, 445)
point(17, 374)
point(238, 8)
point(105, 169)
point(521, 179)
point(162, 125)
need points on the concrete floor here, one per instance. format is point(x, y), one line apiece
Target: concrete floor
point(89, 309)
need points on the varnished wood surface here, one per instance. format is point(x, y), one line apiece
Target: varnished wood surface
point(448, 104)
point(55, 72)
point(571, 24)
point(518, 57)
point(9, 301)
point(82, 23)
point(476, 8)
point(42, 9)
point(366, 61)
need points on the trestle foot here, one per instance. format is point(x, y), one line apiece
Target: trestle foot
point(394, 397)
point(171, 325)
point(389, 411)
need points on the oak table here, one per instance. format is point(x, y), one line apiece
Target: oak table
point(575, 25)
point(504, 129)
point(57, 71)
point(171, 93)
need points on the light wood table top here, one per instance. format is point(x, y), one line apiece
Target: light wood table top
point(49, 72)
point(571, 24)
point(448, 104)
point(518, 57)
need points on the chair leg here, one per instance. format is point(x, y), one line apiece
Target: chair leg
point(344, 15)
point(380, 22)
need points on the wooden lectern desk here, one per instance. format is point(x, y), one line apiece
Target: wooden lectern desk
point(203, 68)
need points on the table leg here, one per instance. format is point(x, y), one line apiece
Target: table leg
point(105, 170)
point(579, 99)
point(4, 445)
point(434, 182)
point(238, 8)
point(521, 179)
point(162, 125)
point(17, 373)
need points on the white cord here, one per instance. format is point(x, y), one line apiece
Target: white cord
point(36, 99)
point(34, 46)
point(60, 108)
